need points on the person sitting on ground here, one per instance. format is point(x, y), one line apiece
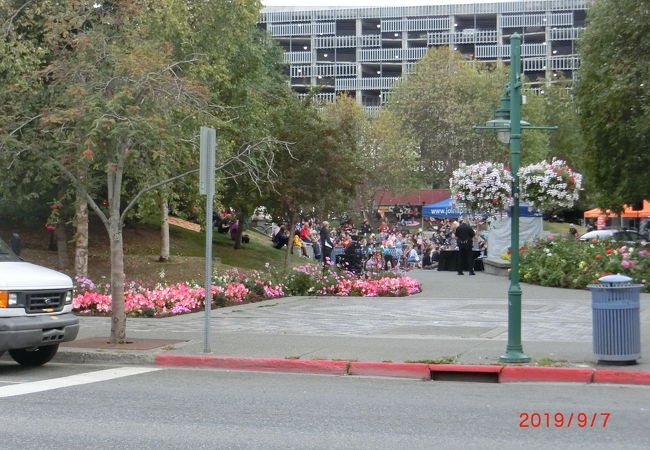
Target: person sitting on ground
point(305, 231)
point(391, 257)
point(412, 257)
point(221, 222)
point(430, 258)
point(315, 245)
point(375, 263)
point(297, 243)
point(280, 239)
point(234, 227)
point(353, 258)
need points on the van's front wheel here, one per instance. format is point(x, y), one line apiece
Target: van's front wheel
point(36, 357)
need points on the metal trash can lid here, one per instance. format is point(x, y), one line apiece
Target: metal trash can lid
point(618, 278)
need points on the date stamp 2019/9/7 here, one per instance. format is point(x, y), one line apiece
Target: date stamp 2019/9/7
point(562, 420)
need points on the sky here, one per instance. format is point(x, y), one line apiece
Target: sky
point(362, 3)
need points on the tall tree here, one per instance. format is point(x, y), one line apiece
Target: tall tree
point(124, 96)
point(440, 103)
point(567, 142)
point(389, 160)
point(323, 169)
point(612, 95)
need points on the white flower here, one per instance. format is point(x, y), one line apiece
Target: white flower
point(481, 188)
point(548, 186)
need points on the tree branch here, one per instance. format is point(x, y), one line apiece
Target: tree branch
point(7, 25)
point(24, 124)
point(149, 188)
point(75, 181)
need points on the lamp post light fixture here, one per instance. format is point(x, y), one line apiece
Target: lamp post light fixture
point(508, 124)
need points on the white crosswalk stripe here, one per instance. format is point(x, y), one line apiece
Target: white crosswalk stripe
point(73, 380)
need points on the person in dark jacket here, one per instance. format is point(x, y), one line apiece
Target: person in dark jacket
point(366, 229)
point(280, 239)
point(464, 236)
point(326, 243)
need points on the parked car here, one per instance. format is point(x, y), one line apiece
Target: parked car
point(631, 236)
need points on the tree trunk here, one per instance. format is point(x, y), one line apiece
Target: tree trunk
point(164, 231)
point(291, 231)
point(242, 214)
point(240, 231)
point(81, 237)
point(62, 245)
point(118, 316)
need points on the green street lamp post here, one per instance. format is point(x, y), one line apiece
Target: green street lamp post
point(514, 350)
point(509, 125)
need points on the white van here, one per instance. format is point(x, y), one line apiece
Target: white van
point(35, 309)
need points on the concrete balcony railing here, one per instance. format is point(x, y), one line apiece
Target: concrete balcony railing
point(369, 40)
point(419, 24)
point(324, 97)
point(297, 57)
point(537, 20)
point(397, 54)
point(552, 63)
point(324, 70)
point(460, 37)
point(503, 51)
point(374, 84)
point(302, 29)
point(566, 34)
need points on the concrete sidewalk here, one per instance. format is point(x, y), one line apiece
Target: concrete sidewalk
point(454, 319)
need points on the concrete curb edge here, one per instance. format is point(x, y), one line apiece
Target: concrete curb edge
point(421, 371)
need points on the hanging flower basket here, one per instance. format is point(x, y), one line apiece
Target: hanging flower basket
point(482, 188)
point(548, 186)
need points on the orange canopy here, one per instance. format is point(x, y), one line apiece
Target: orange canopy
point(627, 212)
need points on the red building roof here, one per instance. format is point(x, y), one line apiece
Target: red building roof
point(413, 198)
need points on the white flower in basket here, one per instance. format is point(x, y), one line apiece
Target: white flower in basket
point(548, 186)
point(482, 188)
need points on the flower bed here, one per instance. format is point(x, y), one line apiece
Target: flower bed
point(237, 287)
point(575, 264)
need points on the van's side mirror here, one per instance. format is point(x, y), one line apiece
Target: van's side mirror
point(16, 243)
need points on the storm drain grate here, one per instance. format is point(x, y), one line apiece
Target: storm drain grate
point(473, 377)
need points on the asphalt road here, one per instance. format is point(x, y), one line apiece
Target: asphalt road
point(83, 406)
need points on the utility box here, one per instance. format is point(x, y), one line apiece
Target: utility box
point(616, 320)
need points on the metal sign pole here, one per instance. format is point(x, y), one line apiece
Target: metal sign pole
point(206, 187)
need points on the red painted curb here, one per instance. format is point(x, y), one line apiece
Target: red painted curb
point(403, 370)
point(621, 376)
point(261, 364)
point(464, 368)
point(526, 373)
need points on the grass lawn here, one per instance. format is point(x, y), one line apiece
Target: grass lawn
point(561, 228)
point(142, 246)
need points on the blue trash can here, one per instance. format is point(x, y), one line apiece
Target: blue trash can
point(616, 322)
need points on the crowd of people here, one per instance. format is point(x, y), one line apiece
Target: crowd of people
point(385, 246)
